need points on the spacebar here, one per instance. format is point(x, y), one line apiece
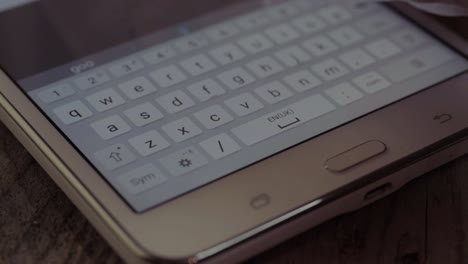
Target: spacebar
point(281, 120)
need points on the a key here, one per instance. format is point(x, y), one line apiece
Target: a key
point(346, 36)
point(309, 24)
point(213, 116)
point(110, 127)
point(252, 20)
point(143, 114)
point(198, 64)
point(357, 59)
point(183, 161)
point(220, 146)
point(302, 81)
point(320, 46)
point(115, 156)
point(244, 104)
point(344, 94)
point(226, 54)
point(273, 92)
point(416, 63)
point(137, 88)
point(383, 48)
point(282, 11)
point(264, 67)
point(56, 93)
point(282, 33)
point(378, 23)
point(371, 82)
point(182, 129)
point(126, 66)
point(236, 78)
point(222, 31)
point(158, 54)
point(292, 56)
point(105, 100)
point(335, 14)
point(91, 80)
point(330, 69)
point(168, 76)
point(141, 179)
point(72, 112)
point(283, 119)
point(191, 42)
point(255, 43)
point(206, 89)
point(148, 143)
point(175, 101)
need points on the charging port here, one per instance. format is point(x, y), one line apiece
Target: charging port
point(376, 192)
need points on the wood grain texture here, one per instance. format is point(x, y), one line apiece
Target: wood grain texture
point(425, 222)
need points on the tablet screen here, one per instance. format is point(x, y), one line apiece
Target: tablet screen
point(163, 97)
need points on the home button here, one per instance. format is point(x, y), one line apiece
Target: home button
point(354, 156)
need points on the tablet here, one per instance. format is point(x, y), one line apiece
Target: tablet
point(185, 129)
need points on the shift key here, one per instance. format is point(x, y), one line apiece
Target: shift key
point(282, 120)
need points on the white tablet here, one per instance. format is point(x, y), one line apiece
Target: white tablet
point(213, 130)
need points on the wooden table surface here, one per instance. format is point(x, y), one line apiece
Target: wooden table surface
point(425, 222)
